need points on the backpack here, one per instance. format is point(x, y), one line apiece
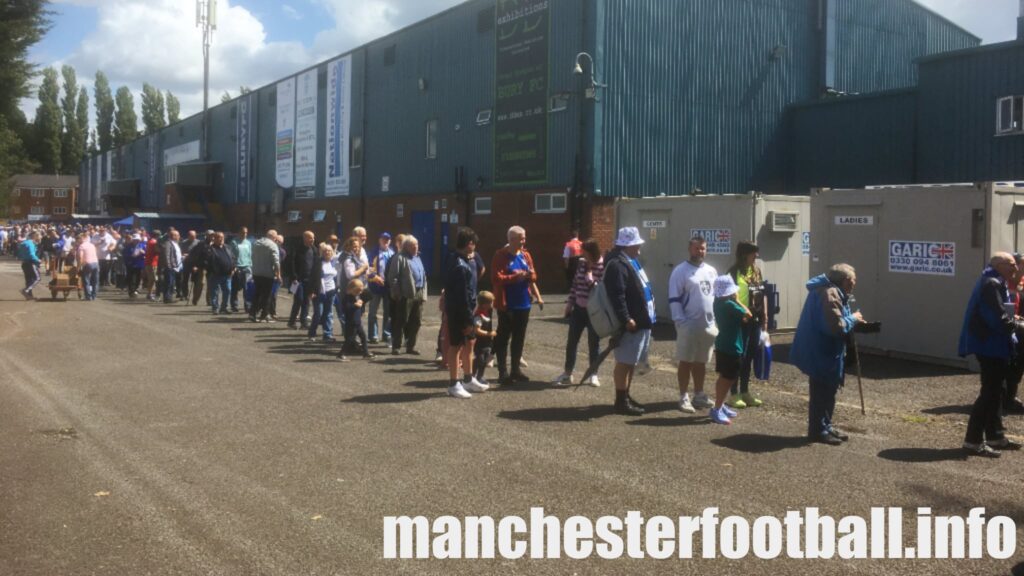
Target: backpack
point(599, 309)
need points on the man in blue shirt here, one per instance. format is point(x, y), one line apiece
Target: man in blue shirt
point(29, 256)
point(379, 290)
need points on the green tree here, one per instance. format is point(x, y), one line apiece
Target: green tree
point(13, 160)
point(22, 24)
point(126, 122)
point(173, 108)
point(82, 117)
point(72, 143)
point(93, 146)
point(49, 124)
point(152, 109)
point(104, 112)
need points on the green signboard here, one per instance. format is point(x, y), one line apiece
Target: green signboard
point(521, 92)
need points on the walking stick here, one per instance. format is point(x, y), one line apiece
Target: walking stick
point(860, 384)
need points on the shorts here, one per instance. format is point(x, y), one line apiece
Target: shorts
point(727, 365)
point(633, 346)
point(457, 338)
point(694, 346)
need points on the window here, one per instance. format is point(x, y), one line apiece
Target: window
point(357, 152)
point(60, 210)
point(294, 215)
point(431, 139)
point(170, 174)
point(483, 117)
point(38, 193)
point(549, 203)
point(1010, 115)
point(62, 193)
point(559, 102)
point(38, 210)
point(482, 205)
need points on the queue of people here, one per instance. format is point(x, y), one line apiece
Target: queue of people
point(717, 317)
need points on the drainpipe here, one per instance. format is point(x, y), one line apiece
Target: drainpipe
point(1020, 22)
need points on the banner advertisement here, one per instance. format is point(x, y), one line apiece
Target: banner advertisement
point(305, 130)
point(339, 116)
point(285, 141)
point(152, 188)
point(521, 93)
point(932, 258)
point(243, 147)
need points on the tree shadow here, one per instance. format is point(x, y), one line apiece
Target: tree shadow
point(426, 384)
point(944, 410)
point(923, 455)
point(559, 414)
point(409, 370)
point(761, 443)
point(396, 398)
point(669, 422)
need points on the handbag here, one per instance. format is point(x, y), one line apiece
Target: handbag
point(763, 358)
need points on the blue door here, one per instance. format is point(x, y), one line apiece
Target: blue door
point(423, 230)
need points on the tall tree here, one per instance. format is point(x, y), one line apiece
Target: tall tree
point(152, 109)
point(94, 148)
point(13, 160)
point(82, 117)
point(49, 124)
point(22, 24)
point(104, 112)
point(173, 108)
point(126, 122)
point(71, 144)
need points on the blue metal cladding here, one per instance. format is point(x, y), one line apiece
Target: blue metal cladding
point(880, 39)
point(957, 139)
point(696, 92)
point(853, 142)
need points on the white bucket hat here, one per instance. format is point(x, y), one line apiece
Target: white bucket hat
point(725, 286)
point(629, 236)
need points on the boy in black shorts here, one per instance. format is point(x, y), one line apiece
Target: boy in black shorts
point(730, 316)
point(483, 320)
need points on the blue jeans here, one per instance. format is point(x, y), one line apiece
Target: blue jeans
point(379, 301)
point(170, 277)
point(822, 406)
point(322, 314)
point(90, 280)
point(337, 308)
point(578, 322)
point(240, 279)
point(219, 285)
point(300, 304)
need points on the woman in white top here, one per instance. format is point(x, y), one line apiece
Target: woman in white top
point(323, 283)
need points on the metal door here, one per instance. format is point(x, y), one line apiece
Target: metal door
point(851, 240)
point(423, 230)
point(656, 255)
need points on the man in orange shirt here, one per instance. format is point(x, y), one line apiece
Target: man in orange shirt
point(512, 273)
point(571, 255)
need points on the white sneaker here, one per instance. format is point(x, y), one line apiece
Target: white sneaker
point(564, 379)
point(685, 405)
point(592, 381)
point(439, 359)
point(523, 364)
point(644, 368)
point(490, 363)
point(702, 402)
point(457, 391)
point(474, 385)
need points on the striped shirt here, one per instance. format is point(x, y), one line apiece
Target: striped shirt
point(586, 277)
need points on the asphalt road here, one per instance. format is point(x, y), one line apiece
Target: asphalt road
point(138, 438)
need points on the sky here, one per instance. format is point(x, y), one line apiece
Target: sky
point(259, 41)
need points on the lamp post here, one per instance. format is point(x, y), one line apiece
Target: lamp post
point(579, 177)
point(206, 18)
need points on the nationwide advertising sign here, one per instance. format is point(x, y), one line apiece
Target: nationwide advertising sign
point(152, 186)
point(931, 258)
point(285, 140)
point(521, 93)
point(305, 130)
point(339, 113)
point(243, 144)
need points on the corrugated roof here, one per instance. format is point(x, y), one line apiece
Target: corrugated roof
point(44, 181)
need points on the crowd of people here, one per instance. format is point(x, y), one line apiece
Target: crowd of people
point(718, 317)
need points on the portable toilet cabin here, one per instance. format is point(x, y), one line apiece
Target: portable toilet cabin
point(918, 252)
point(779, 225)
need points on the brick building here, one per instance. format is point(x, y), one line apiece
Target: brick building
point(42, 197)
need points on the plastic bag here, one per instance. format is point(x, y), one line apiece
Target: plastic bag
point(763, 358)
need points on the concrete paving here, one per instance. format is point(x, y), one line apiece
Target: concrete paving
point(141, 438)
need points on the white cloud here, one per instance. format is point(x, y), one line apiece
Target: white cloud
point(990, 20)
point(291, 12)
point(357, 23)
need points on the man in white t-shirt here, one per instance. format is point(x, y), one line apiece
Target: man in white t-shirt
point(105, 244)
point(691, 300)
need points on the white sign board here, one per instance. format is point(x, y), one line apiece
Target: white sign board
point(655, 224)
point(399, 210)
point(932, 258)
point(385, 183)
point(855, 220)
point(284, 148)
point(805, 243)
point(183, 153)
point(339, 114)
point(305, 130)
point(719, 239)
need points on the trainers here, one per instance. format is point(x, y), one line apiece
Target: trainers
point(342, 358)
point(439, 358)
point(519, 377)
point(736, 401)
point(702, 402)
point(719, 417)
point(752, 401)
point(1005, 444)
point(564, 379)
point(458, 391)
point(685, 405)
point(474, 385)
point(981, 449)
point(293, 326)
point(522, 363)
point(729, 411)
point(490, 363)
point(643, 369)
point(592, 381)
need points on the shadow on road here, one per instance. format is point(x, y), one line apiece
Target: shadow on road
point(923, 455)
point(944, 410)
point(558, 414)
point(669, 422)
point(397, 398)
point(761, 443)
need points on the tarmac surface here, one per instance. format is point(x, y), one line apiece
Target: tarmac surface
point(140, 438)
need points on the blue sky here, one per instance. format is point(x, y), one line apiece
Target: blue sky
point(259, 41)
